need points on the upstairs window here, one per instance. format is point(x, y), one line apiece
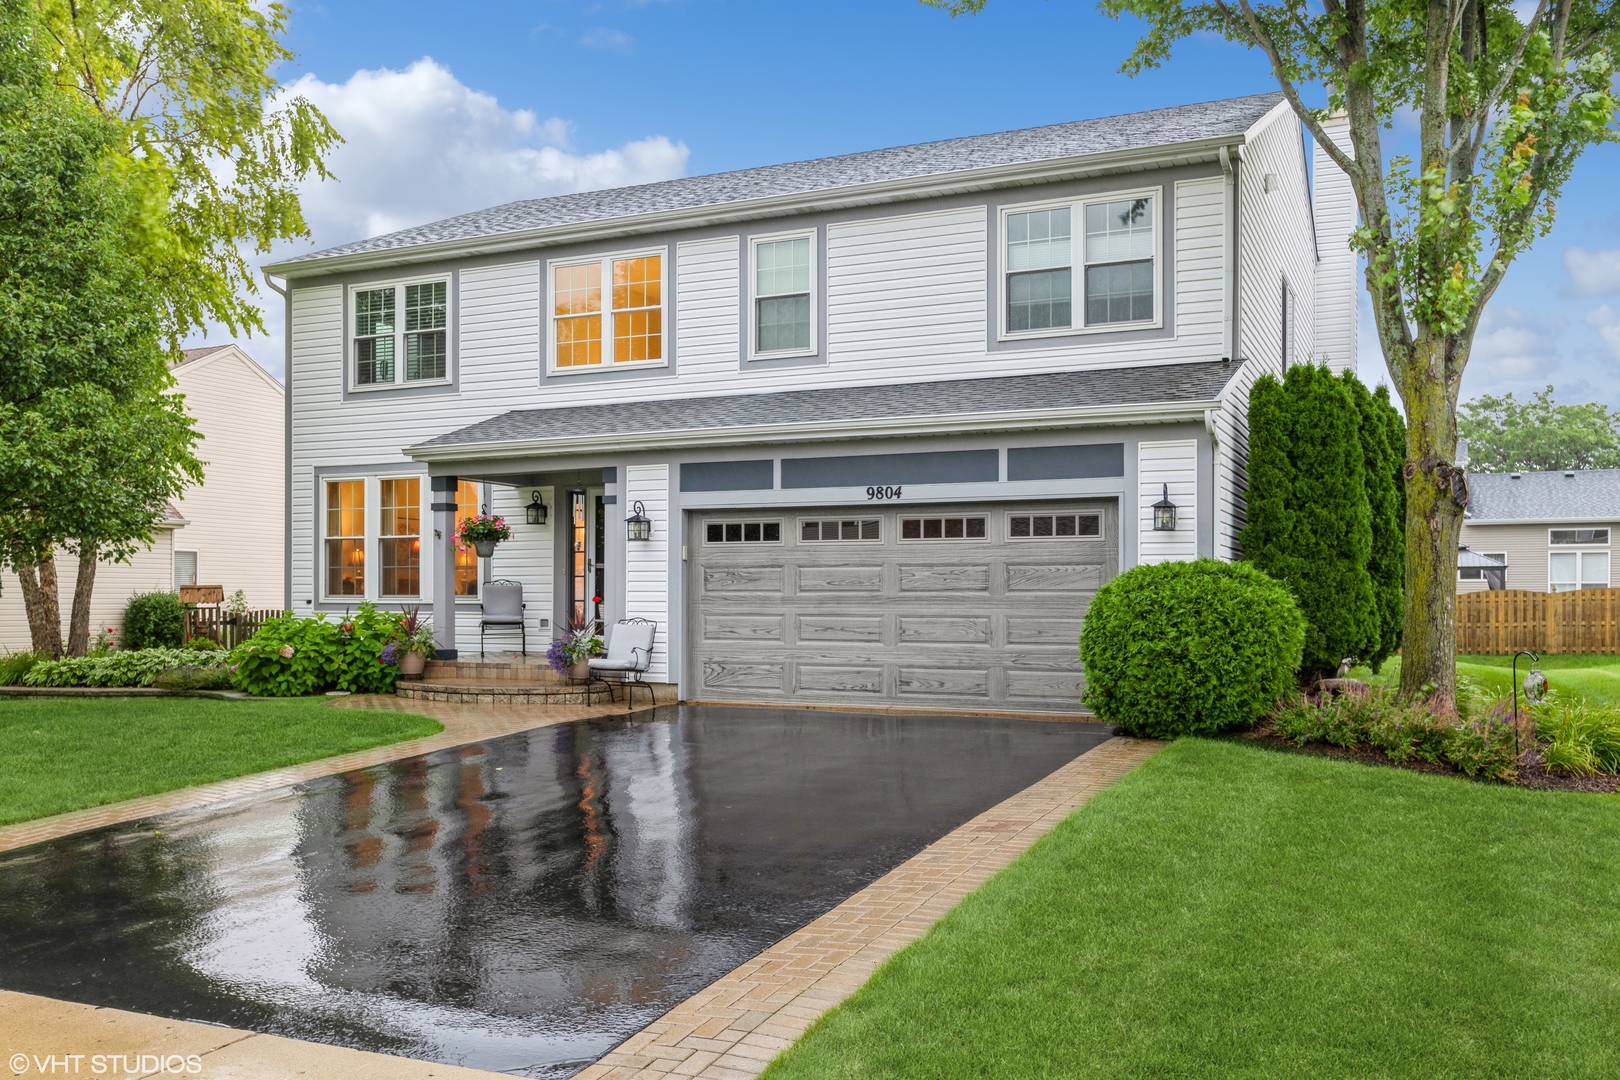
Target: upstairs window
point(381, 338)
point(1578, 536)
point(607, 311)
point(1104, 277)
point(782, 296)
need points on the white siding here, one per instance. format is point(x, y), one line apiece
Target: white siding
point(1200, 264)
point(148, 570)
point(907, 292)
point(526, 558)
point(1176, 464)
point(316, 364)
point(646, 594)
point(708, 281)
point(1335, 212)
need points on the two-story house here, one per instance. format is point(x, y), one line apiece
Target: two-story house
point(893, 416)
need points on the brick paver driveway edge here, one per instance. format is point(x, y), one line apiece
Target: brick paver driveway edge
point(731, 1029)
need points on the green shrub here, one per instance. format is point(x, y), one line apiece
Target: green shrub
point(154, 621)
point(1345, 720)
point(194, 676)
point(1579, 738)
point(1188, 647)
point(1485, 746)
point(290, 656)
point(138, 667)
point(13, 666)
point(202, 644)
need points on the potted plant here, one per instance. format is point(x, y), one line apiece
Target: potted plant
point(571, 654)
point(414, 644)
point(483, 532)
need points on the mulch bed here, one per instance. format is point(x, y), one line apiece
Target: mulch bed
point(1532, 770)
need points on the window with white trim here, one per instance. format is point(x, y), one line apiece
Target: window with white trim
point(400, 536)
point(1117, 260)
point(608, 311)
point(782, 295)
point(1288, 319)
point(400, 333)
point(185, 568)
point(371, 540)
point(1477, 573)
point(1571, 570)
point(345, 538)
point(1558, 537)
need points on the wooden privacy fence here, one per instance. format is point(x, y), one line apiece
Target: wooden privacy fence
point(1507, 620)
point(227, 629)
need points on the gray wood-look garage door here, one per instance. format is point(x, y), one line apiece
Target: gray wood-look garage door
point(944, 606)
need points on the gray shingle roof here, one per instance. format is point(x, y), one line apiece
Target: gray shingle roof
point(1070, 389)
point(1584, 495)
point(1160, 127)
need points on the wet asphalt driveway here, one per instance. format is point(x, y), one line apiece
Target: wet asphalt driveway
point(521, 904)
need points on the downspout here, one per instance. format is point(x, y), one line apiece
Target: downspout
point(286, 440)
point(1228, 259)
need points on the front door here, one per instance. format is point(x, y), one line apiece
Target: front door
point(587, 580)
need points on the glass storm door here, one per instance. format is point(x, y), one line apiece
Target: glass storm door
point(587, 577)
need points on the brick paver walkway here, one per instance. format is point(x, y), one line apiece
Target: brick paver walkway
point(733, 1028)
point(462, 724)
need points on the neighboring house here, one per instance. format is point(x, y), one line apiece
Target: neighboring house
point(1552, 529)
point(894, 416)
point(229, 531)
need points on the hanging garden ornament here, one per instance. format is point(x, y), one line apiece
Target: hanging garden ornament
point(1535, 686)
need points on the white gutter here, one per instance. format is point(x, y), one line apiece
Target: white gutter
point(1228, 259)
point(1599, 520)
point(819, 431)
point(836, 198)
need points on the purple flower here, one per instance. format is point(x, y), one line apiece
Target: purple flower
point(389, 656)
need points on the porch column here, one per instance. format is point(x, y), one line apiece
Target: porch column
point(444, 567)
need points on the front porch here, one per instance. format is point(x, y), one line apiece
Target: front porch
point(513, 679)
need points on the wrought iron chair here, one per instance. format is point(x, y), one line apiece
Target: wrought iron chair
point(629, 652)
point(502, 610)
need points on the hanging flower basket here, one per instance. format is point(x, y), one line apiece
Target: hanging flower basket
point(483, 532)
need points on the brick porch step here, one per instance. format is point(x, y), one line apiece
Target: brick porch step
point(529, 672)
point(506, 693)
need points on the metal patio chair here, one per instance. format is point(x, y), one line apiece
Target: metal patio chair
point(502, 610)
point(629, 652)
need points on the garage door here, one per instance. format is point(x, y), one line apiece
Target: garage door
point(944, 607)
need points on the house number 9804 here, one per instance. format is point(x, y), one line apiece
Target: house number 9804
point(882, 492)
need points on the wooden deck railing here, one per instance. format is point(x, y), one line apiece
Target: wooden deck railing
point(1507, 620)
point(227, 629)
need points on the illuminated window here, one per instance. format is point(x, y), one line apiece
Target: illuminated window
point(380, 337)
point(632, 305)
point(345, 537)
point(467, 493)
point(400, 537)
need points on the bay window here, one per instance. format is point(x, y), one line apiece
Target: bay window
point(782, 295)
point(607, 311)
point(381, 338)
point(1113, 264)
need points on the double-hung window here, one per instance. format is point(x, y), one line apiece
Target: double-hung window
point(608, 311)
point(400, 538)
point(782, 295)
point(371, 540)
point(1103, 276)
point(394, 323)
point(1571, 570)
point(345, 538)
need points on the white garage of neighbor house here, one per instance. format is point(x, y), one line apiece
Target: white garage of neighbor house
point(893, 417)
point(1554, 530)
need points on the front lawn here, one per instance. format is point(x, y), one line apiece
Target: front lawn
point(59, 754)
point(1595, 678)
point(1231, 911)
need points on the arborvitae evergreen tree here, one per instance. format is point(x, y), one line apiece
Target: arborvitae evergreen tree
point(1309, 522)
point(1383, 445)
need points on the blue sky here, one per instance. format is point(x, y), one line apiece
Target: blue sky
point(451, 108)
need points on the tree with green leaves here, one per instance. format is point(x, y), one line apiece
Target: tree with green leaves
point(1538, 435)
point(92, 444)
point(1383, 446)
point(1309, 520)
point(1505, 106)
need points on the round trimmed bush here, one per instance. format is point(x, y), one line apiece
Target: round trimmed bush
point(1185, 648)
point(154, 621)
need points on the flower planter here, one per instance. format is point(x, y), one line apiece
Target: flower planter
point(485, 548)
point(580, 670)
point(411, 665)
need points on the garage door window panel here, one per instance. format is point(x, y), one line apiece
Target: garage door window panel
point(943, 528)
point(742, 532)
point(1054, 527)
point(823, 531)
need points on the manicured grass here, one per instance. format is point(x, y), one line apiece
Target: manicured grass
point(1230, 911)
point(1595, 678)
point(59, 753)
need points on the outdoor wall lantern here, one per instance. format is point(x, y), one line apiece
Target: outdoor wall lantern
point(536, 509)
point(1164, 513)
point(638, 526)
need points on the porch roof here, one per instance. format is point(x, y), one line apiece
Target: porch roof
point(1159, 393)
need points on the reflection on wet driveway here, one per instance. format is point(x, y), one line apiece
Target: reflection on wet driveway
point(521, 904)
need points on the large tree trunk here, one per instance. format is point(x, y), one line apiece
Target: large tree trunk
point(78, 642)
point(41, 602)
point(1436, 493)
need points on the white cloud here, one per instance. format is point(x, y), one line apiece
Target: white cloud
point(420, 145)
point(1593, 273)
point(605, 37)
point(1606, 321)
point(1513, 343)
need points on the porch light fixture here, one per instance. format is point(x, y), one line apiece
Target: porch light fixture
point(1164, 513)
point(638, 526)
point(536, 509)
